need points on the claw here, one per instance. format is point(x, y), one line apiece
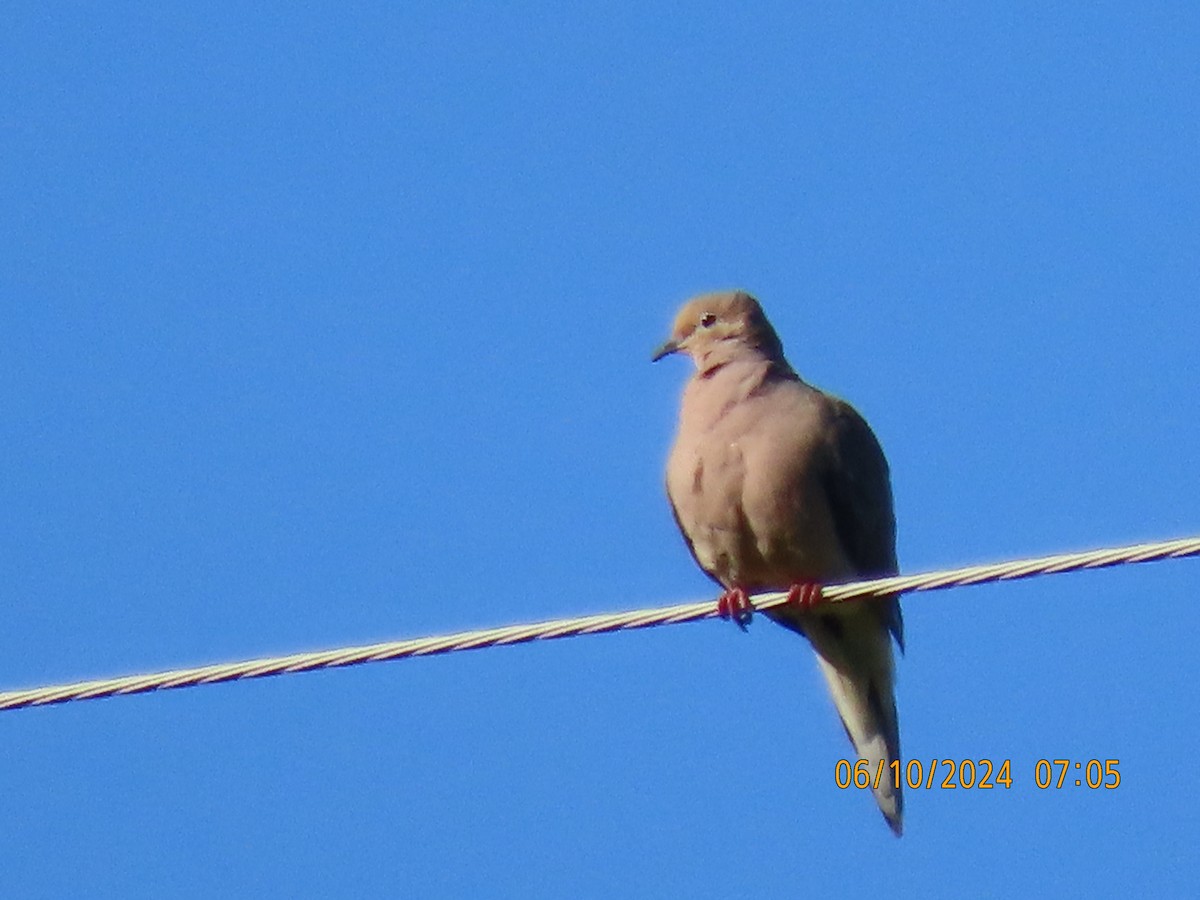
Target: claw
point(734, 604)
point(805, 594)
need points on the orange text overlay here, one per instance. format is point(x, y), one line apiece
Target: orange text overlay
point(977, 774)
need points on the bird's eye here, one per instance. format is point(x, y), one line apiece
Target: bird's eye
point(708, 320)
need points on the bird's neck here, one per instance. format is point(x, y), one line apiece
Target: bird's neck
point(733, 381)
point(753, 368)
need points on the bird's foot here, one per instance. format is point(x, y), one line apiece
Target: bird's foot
point(734, 604)
point(804, 594)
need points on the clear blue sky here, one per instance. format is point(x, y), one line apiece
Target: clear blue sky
point(331, 325)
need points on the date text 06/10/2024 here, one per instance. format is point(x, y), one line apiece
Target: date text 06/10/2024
point(979, 774)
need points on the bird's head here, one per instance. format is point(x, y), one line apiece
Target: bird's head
point(714, 329)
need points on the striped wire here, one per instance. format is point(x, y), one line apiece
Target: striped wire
point(596, 624)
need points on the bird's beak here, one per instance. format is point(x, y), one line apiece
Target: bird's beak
point(669, 347)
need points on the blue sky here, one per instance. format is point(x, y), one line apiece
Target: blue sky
point(331, 325)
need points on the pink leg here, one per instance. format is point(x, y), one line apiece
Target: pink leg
point(734, 604)
point(805, 594)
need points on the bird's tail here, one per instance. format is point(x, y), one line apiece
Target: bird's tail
point(855, 654)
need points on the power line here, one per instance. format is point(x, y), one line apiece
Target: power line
point(596, 624)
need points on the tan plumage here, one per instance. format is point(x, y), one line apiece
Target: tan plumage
point(775, 483)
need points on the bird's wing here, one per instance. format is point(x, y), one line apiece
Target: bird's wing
point(858, 485)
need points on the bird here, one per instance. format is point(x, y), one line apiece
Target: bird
point(778, 486)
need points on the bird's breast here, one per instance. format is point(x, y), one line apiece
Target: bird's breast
point(746, 490)
point(705, 480)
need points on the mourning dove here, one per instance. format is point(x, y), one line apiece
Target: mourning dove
point(779, 486)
